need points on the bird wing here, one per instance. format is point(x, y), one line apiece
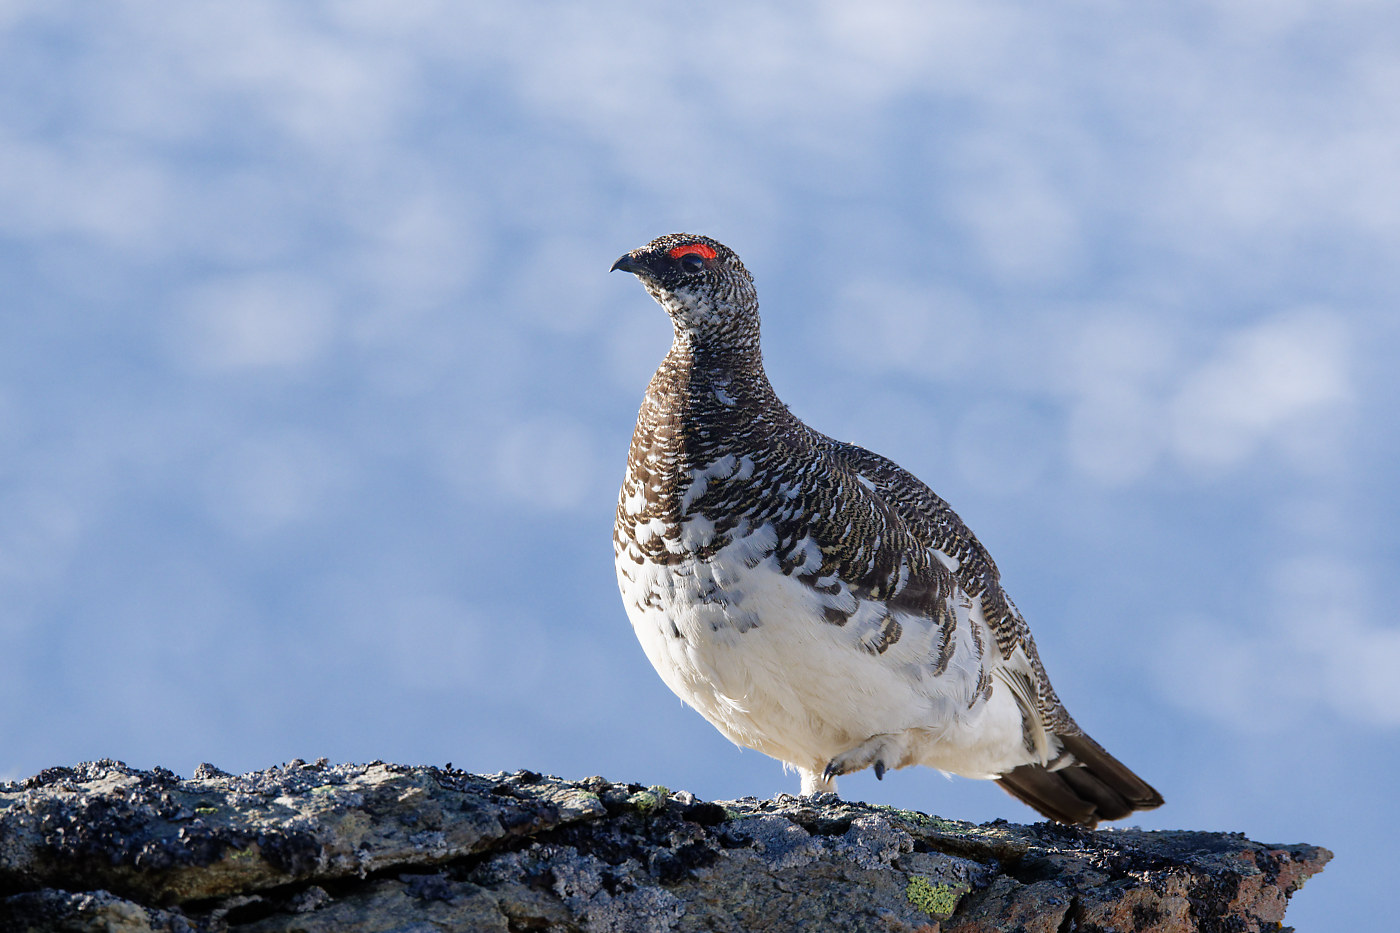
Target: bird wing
point(934, 524)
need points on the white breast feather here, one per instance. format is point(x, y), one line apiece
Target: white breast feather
point(753, 653)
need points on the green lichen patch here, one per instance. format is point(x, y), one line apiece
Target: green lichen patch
point(653, 798)
point(937, 900)
point(588, 798)
point(935, 823)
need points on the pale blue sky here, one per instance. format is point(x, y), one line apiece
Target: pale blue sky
point(315, 392)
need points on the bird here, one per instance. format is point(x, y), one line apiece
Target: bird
point(812, 599)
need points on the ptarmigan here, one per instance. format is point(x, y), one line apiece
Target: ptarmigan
point(813, 600)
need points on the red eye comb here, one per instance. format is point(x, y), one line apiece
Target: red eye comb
point(699, 249)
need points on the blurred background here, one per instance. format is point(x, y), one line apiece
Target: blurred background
point(315, 391)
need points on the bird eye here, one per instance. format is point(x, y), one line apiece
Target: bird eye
point(692, 263)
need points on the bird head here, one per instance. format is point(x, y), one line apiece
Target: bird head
point(702, 285)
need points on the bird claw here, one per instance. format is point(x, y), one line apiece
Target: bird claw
point(833, 770)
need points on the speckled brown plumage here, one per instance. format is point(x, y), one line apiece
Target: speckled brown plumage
point(758, 557)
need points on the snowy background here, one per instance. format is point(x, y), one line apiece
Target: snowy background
point(315, 391)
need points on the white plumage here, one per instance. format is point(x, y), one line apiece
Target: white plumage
point(806, 692)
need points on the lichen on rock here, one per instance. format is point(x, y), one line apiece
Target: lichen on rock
point(325, 848)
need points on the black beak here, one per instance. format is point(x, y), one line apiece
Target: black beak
point(628, 263)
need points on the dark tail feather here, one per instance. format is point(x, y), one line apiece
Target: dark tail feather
point(1096, 787)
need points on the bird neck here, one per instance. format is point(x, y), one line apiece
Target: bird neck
point(708, 377)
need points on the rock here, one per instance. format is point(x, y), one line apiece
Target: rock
point(350, 848)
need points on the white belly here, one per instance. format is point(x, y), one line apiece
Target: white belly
point(751, 650)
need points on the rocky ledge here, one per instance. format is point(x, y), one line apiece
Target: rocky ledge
point(320, 847)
